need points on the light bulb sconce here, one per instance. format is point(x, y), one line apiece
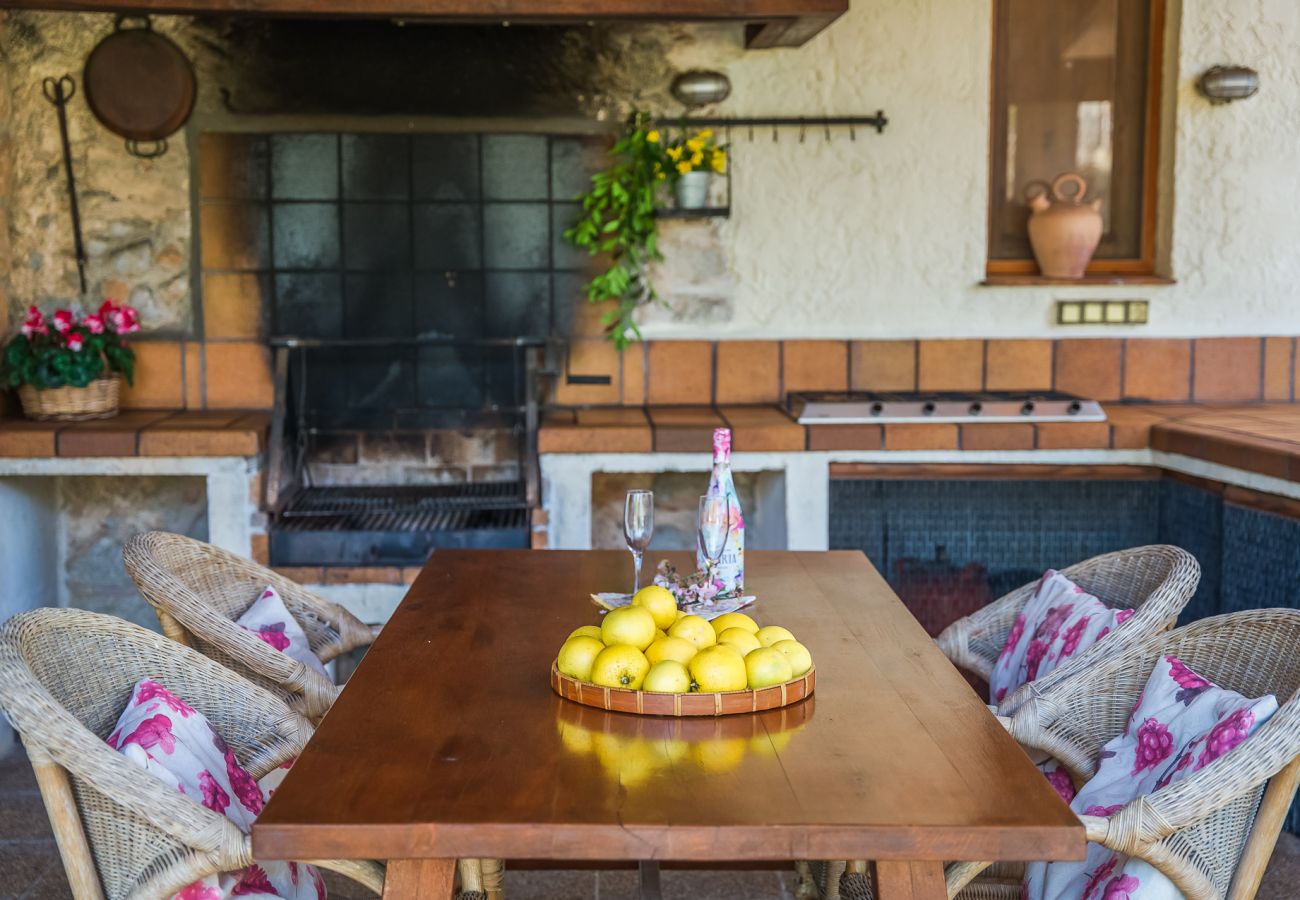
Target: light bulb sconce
point(1223, 84)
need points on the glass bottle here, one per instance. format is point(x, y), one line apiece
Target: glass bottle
point(730, 569)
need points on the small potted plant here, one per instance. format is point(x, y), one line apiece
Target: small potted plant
point(695, 159)
point(68, 367)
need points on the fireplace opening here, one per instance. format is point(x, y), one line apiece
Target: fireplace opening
point(413, 287)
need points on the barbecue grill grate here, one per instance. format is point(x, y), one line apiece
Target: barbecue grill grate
point(486, 505)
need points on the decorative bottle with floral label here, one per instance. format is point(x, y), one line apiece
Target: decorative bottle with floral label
point(730, 569)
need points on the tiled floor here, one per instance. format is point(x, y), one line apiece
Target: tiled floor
point(30, 867)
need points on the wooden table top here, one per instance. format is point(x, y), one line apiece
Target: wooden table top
point(448, 741)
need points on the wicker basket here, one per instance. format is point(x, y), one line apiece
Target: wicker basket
point(97, 400)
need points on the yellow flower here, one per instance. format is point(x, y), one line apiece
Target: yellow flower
point(695, 145)
point(674, 153)
point(719, 162)
point(683, 167)
point(705, 134)
point(697, 158)
point(653, 137)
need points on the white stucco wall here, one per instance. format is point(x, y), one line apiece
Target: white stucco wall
point(885, 236)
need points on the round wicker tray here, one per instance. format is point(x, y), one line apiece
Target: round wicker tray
point(724, 703)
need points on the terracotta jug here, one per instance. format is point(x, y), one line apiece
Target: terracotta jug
point(1063, 230)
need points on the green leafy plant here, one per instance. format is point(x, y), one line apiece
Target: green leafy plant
point(618, 221)
point(66, 351)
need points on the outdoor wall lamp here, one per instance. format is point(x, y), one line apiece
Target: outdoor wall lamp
point(1223, 84)
point(699, 88)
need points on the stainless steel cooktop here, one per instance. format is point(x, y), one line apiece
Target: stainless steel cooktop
point(860, 407)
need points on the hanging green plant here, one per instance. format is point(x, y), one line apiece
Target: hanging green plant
point(618, 221)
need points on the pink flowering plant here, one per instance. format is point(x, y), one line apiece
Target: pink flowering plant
point(69, 350)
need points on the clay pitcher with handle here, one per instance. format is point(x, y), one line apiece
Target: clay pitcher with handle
point(1064, 230)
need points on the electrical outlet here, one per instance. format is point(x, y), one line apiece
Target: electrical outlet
point(1101, 312)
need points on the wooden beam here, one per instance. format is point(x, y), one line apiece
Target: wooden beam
point(771, 23)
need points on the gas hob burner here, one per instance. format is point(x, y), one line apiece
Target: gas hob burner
point(865, 407)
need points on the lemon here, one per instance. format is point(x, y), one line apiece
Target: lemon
point(631, 625)
point(719, 668)
point(676, 648)
point(681, 614)
point(660, 634)
point(667, 677)
point(659, 601)
point(694, 629)
point(742, 640)
point(576, 656)
point(586, 630)
point(797, 653)
point(620, 666)
point(767, 666)
point(770, 635)
point(733, 620)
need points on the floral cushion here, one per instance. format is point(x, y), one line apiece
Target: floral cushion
point(270, 619)
point(1180, 724)
point(1060, 621)
point(171, 740)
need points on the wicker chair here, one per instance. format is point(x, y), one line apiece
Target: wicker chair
point(198, 591)
point(65, 676)
point(1212, 834)
point(1157, 581)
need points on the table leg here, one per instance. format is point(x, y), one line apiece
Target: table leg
point(420, 879)
point(903, 880)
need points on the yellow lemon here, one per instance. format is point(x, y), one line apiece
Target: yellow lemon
point(770, 635)
point(577, 655)
point(734, 620)
point(681, 614)
point(797, 653)
point(659, 601)
point(767, 666)
point(667, 676)
point(587, 631)
point(660, 634)
point(694, 629)
point(719, 668)
point(738, 637)
point(620, 666)
point(666, 647)
point(631, 625)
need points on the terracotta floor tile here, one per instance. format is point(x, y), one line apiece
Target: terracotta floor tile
point(762, 428)
point(612, 415)
point(634, 375)
point(1227, 369)
point(845, 437)
point(748, 372)
point(684, 429)
point(1018, 365)
point(118, 436)
point(234, 305)
point(921, 437)
point(238, 376)
point(1157, 369)
point(594, 358)
point(950, 366)
point(815, 365)
point(595, 439)
point(363, 575)
point(679, 372)
point(158, 377)
point(1279, 368)
point(25, 438)
point(997, 436)
point(1071, 435)
point(882, 365)
point(1090, 368)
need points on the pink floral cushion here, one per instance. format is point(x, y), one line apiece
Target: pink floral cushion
point(1180, 724)
point(1060, 621)
point(174, 742)
point(270, 619)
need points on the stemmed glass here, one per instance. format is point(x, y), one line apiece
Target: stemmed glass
point(714, 527)
point(638, 528)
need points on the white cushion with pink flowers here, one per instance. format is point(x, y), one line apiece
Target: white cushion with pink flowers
point(270, 619)
point(1060, 621)
point(1180, 724)
point(171, 740)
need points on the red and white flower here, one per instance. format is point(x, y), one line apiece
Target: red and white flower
point(94, 324)
point(63, 321)
point(34, 324)
point(75, 341)
point(130, 321)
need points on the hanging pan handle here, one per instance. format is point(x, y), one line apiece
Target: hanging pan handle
point(147, 149)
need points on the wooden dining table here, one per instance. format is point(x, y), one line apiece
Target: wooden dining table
point(448, 741)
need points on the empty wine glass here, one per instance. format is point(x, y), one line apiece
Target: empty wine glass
point(638, 528)
point(714, 527)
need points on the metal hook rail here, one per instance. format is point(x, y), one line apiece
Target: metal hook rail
point(803, 123)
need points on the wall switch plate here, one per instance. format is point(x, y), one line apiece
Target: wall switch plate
point(1101, 312)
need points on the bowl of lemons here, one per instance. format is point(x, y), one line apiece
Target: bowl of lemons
point(652, 658)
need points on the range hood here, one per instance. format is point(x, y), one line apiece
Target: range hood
point(769, 23)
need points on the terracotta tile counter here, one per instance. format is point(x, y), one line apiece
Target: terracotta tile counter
point(139, 433)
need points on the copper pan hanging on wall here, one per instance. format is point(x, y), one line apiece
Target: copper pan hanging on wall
point(139, 85)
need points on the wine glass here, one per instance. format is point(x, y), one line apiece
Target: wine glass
point(714, 527)
point(638, 528)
